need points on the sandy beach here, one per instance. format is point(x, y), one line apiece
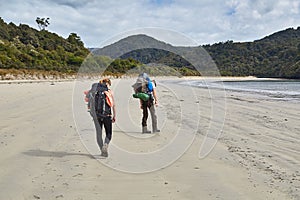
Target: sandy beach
point(48, 145)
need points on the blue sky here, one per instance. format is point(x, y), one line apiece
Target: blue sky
point(204, 21)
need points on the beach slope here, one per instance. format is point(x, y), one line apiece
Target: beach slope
point(44, 154)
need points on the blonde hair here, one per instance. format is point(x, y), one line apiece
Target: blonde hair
point(105, 80)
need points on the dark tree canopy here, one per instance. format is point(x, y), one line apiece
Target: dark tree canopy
point(43, 23)
point(23, 47)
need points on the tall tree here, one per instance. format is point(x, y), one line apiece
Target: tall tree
point(42, 22)
point(75, 39)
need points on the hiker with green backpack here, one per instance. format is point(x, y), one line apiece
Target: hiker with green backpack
point(145, 90)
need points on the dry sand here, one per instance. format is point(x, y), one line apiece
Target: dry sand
point(46, 155)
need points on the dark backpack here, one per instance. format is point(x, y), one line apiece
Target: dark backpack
point(97, 100)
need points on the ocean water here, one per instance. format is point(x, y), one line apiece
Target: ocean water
point(277, 89)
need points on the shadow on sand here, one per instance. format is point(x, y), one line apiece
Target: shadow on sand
point(57, 154)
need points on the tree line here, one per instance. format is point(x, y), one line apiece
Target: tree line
point(23, 47)
point(277, 55)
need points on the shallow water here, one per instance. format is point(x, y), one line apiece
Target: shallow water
point(277, 89)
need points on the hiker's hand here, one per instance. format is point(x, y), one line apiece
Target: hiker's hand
point(156, 103)
point(113, 119)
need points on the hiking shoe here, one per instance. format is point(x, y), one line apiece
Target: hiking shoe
point(104, 152)
point(156, 131)
point(145, 130)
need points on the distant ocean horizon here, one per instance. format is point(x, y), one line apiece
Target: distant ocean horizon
point(278, 89)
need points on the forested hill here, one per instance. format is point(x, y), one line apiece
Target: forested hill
point(23, 47)
point(277, 55)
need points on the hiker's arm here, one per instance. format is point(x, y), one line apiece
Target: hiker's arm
point(155, 96)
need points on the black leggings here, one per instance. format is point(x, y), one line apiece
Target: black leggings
point(107, 122)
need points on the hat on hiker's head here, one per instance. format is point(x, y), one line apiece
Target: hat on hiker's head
point(105, 80)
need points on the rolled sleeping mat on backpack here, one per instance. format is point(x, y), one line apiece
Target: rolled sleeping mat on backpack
point(142, 96)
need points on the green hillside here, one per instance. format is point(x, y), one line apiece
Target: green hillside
point(26, 49)
point(277, 55)
point(23, 47)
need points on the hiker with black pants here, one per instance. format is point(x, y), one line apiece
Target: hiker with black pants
point(100, 102)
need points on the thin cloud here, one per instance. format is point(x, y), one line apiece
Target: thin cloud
point(72, 3)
